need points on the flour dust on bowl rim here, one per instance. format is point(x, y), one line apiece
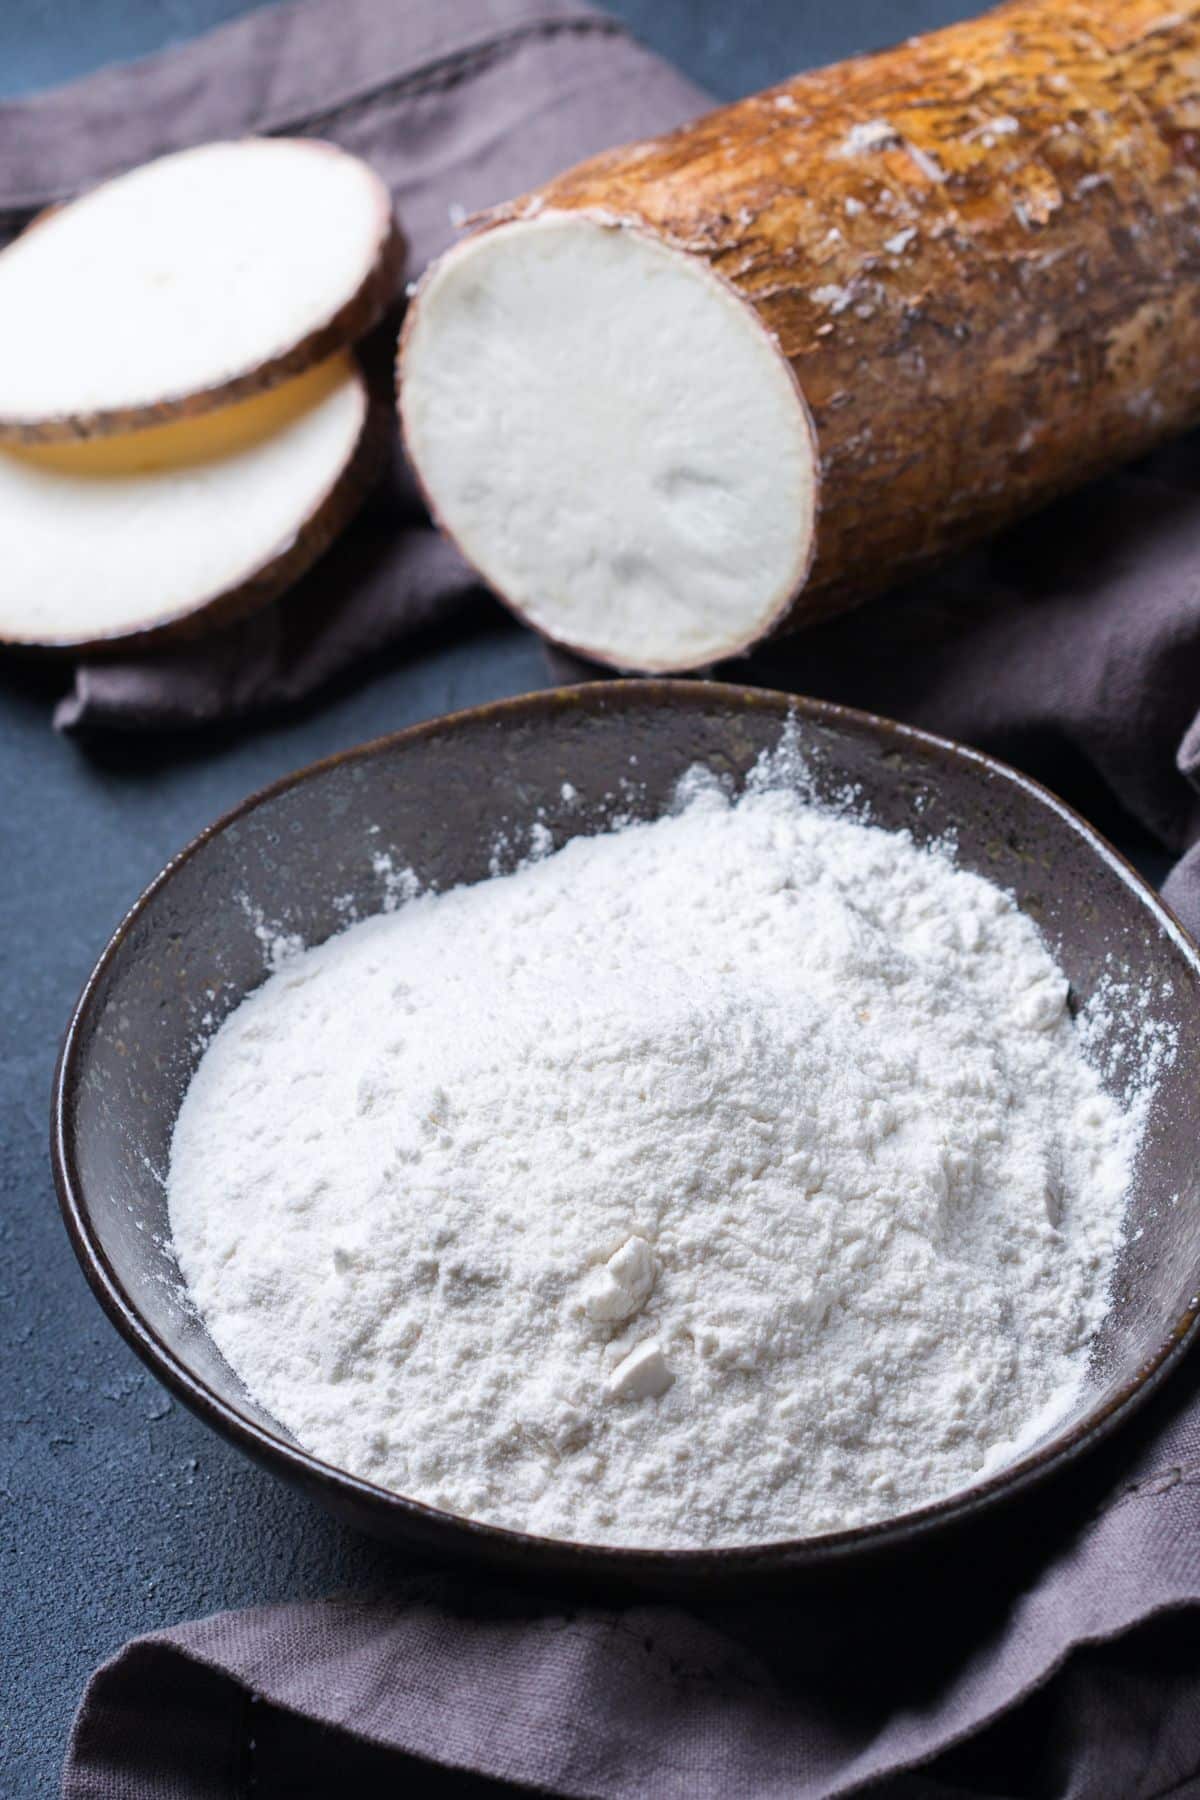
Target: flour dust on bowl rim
point(298, 858)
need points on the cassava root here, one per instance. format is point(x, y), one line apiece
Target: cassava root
point(737, 378)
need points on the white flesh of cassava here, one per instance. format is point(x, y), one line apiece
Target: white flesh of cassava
point(612, 438)
point(183, 275)
point(124, 534)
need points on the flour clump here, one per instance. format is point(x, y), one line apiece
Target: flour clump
point(736, 1176)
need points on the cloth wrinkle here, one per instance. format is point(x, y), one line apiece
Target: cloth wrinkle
point(442, 76)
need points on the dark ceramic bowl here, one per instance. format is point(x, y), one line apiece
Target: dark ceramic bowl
point(438, 794)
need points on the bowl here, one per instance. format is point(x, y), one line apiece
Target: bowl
point(436, 797)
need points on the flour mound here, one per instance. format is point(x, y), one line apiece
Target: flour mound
point(734, 1177)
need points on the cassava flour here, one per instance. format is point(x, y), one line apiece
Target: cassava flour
point(732, 1177)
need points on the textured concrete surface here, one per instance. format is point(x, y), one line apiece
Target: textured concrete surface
point(118, 1511)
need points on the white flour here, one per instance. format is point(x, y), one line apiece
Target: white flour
point(733, 1177)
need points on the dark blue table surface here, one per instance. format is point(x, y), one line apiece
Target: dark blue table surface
point(118, 1511)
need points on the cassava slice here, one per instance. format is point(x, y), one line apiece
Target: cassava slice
point(737, 378)
point(183, 526)
point(190, 282)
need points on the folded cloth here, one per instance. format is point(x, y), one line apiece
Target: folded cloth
point(1057, 1657)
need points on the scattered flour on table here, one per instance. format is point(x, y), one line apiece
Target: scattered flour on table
point(736, 1176)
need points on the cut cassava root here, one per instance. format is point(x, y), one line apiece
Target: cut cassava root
point(972, 263)
point(556, 419)
point(191, 282)
point(167, 532)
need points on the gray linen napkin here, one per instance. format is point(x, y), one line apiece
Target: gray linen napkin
point(1052, 1655)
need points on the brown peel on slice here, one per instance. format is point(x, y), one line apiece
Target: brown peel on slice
point(168, 532)
point(191, 282)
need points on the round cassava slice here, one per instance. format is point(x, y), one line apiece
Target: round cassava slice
point(167, 532)
point(612, 438)
point(190, 282)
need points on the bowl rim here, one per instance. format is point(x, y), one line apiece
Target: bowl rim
point(458, 1533)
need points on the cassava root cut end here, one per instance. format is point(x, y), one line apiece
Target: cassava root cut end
point(977, 252)
point(612, 438)
point(170, 531)
point(190, 282)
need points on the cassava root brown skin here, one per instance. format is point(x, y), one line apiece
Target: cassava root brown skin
point(979, 253)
